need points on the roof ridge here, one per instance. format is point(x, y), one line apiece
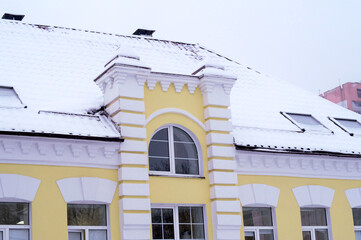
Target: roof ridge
point(96, 32)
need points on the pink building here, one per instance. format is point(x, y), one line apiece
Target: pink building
point(347, 95)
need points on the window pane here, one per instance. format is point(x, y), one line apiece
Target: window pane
point(197, 214)
point(74, 236)
point(185, 150)
point(157, 231)
point(307, 121)
point(161, 135)
point(97, 234)
point(87, 215)
point(249, 236)
point(159, 164)
point(158, 149)
point(1, 235)
point(186, 166)
point(181, 136)
point(358, 235)
point(168, 231)
point(257, 216)
point(14, 213)
point(185, 231)
point(321, 234)
point(265, 234)
point(198, 231)
point(156, 215)
point(356, 212)
point(19, 234)
point(306, 235)
point(351, 125)
point(184, 214)
point(313, 217)
point(167, 215)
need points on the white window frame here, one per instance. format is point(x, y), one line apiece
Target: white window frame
point(21, 104)
point(175, 216)
point(337, 123)
point(171, 153)
point(256, 229)
point(85, 229)
point(303, 127)
point(357, 228)
point(5, 229)
point(313, 228)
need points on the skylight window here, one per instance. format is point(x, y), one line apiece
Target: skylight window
point(351, 126)
point(9, 98)
point(305, 122)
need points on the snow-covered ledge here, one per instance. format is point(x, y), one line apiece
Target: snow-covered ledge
point(87, 190)
point(313, 196)
point(18, 188)
point(258, 195)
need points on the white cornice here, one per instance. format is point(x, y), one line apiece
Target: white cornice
point(58, 152)
point(297, 165)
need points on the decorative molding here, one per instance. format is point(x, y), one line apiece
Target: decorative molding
point(297, 165)
point(87, 190)
point(313, 196)
point(354, 197)
point(59, 152)
point(258, 195)
point(165, 79)
point(15, 187)
point(175, 110)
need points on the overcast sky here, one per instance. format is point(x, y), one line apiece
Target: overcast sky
point(314, 44)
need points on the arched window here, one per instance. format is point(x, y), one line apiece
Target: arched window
point(173, 151)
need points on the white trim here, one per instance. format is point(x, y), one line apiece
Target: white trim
point(175, 110)
point(354, 197)
point(297, 165)
point(258, 195)
point(171, 152)
point(87, 190)
point(175, 215)
point(314, 196)
point(59, 152)
point(18, 188)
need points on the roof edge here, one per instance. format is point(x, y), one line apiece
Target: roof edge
point(62, 136)
point(296, 151)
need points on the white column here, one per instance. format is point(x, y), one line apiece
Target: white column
point(123, 86)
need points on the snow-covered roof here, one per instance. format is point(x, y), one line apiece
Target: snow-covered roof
point(52, 70)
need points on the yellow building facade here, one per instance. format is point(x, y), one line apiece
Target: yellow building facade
point(167, 140)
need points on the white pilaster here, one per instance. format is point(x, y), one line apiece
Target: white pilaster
point(215, 85)
point(123, 85)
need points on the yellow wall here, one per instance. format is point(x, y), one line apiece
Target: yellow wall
point(172, 189)
point(49, 211)
point(288, 212)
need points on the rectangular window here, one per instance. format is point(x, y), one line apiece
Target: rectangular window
point(351, 126)
point(258, 223)
point(305, 122)
point(314, 224)
point(14, 221)
point(356, 213)
point(9, 98)
point(359, 93)
point(87, 222)
point(178, 222)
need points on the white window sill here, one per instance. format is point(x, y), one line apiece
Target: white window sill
point(176, 176)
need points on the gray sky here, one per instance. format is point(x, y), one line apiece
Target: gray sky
point(311, 43)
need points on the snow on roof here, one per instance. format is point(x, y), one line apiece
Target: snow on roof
point(53, 68)
point(257, 102)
